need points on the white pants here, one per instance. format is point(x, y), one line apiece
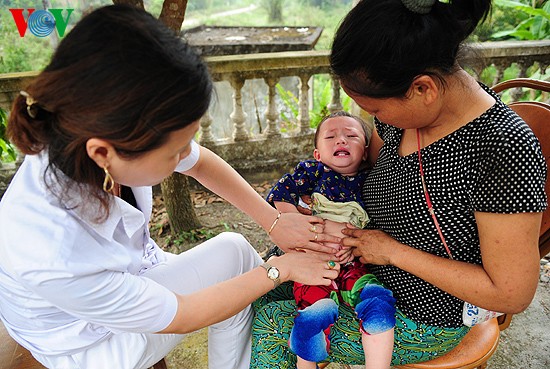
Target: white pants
point(216, 260)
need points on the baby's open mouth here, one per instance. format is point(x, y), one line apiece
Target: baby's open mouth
point(341, 152)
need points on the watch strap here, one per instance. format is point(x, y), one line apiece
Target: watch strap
point(267, 267)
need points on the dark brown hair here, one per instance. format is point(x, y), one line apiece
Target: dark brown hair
point(381, 46)
point(343, 113)
point(119, 75)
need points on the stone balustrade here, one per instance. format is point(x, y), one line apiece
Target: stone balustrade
point(273, 151)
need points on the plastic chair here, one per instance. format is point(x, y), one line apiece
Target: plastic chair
point(15, 356)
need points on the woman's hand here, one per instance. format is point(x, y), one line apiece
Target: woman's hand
point(296, 231)
point(309, 268)
point(371, 246)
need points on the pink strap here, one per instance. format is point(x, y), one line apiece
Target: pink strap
point(429, 201)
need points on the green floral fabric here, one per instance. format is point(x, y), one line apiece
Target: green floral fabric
point(414, 342)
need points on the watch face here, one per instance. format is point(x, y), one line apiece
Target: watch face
point(273, 273)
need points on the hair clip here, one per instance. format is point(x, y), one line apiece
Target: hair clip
point(30, 102)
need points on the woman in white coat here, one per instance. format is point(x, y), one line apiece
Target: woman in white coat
point(82, 284)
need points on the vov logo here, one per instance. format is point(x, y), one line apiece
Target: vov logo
point(41, 23)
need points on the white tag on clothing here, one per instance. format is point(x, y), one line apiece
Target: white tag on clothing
point(303, 204)
point(472, 315)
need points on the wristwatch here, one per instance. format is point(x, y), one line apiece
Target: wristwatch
point(272, 273)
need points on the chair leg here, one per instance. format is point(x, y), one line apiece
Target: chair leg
point(160, 365)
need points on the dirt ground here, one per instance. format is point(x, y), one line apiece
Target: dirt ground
point(216, 216)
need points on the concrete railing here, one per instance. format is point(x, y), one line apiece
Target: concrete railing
point(272, 150)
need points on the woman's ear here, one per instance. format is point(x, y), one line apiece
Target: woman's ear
point(426, 88)
point(100, 151)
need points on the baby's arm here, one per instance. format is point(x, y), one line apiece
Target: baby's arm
point(285, 207)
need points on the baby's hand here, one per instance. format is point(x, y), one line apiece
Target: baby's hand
point(304, 205)
point(345, 255)
point(335, 246)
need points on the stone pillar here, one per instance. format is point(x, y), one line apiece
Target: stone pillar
point(271, 113)
point(206, 129)
point(238, 116)
point(303, 102)
point(501, 67)
point(336, 102)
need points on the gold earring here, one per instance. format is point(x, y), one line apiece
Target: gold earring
point(108, 183)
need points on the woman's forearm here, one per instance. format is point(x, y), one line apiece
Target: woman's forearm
point(221, 301)
point(505, 282)
point(218, 176)
point(455, 277)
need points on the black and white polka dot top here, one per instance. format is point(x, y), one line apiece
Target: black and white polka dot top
point(492, 164)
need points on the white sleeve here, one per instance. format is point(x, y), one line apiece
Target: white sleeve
point(190, 160)
point(67, 270)
point(119, 301)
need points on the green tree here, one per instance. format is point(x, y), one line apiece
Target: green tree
point(533, 20)
point(7, 151)
point(274, 10)
point(29, 53)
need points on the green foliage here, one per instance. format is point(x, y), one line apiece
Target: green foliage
point(274, 9)
point(7, 151)
point(527, 94)
point(290, 101)
point(198, 235)
point(489, 74)
point(19, 54)
point(322, 97)
point(31, 53)
point(532, 23)
point(194, 235)
point(500, 19)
